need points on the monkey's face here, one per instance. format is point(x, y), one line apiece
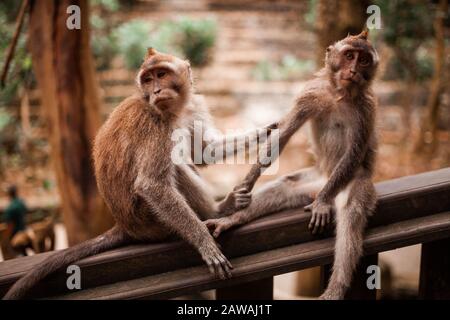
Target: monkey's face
point(165, 81)
point(352, 61)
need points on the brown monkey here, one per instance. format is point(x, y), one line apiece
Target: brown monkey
point(340, 106)
point(39, 236)
point(150, 197)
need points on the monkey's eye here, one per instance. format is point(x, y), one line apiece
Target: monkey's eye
point(349, 55)
point(364, 61)
point(160, 74)
point(147, 79)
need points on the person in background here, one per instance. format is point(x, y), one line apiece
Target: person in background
point(14, 215)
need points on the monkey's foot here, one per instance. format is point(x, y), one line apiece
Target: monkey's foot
point(334, 292)
point(321, 216)
point(217, 263)
point(217, 226)
point(265, 132)
point(236, 200)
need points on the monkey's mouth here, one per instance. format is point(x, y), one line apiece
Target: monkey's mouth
point(350, 80)
point(161, 99)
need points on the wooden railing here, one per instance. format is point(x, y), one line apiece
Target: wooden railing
point(410, 210)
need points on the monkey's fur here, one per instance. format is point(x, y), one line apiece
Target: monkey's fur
point(150, 197)
point(340, 106)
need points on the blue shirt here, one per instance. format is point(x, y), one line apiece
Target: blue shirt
point(15, 213)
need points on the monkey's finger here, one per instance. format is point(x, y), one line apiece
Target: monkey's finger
point(225, 265)
point(325, 220)
point(243, 201)
point(312, 221)
point(210, 267)
point(323, 223)
point(219, 271)
point(242, 191)
point(228, 263)
point(308, 207)
point(244, 196)
point(217, 232)
point(317, 224)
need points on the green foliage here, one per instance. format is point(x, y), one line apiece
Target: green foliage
point(423, 68)
point(47, 184)
point(407, 29)
point(162, 38)
point(9, 9)
point(311, 15)
point(191, 39)
point(133, 40)
point(195, 38)
point(5, 119)
point(20, 69)
point(103, 43)
point(108, 5)
point(289, 68)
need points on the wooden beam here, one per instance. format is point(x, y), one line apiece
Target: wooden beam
point(267, 264)
point(399, 200)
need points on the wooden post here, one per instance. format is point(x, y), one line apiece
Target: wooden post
point(255, 290)
point(358, 289)
point(435, 270)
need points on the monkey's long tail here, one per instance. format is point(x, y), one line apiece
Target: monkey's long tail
point(108, 240)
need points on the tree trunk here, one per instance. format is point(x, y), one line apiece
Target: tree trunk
point(428, 132)
point(336, 19)
point(65, 73)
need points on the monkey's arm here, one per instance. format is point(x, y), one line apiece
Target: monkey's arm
point(232, 145)
point(173, 212)
point(303, 110)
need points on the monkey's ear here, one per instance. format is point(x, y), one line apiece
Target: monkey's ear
point(364, 34)
point(191, 78)
point(150, 52)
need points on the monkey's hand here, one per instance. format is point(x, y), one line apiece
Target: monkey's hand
point(321, 215)
point(271, 127)
point(217, 263)
point(217, 226)
point(265, 132)
point(236, 200)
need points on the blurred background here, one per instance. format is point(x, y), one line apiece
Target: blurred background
point(250, 59)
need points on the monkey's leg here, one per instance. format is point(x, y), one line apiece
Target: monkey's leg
point(195, 191)
point(353, 205)
point(294, 190)
point(174, 213)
